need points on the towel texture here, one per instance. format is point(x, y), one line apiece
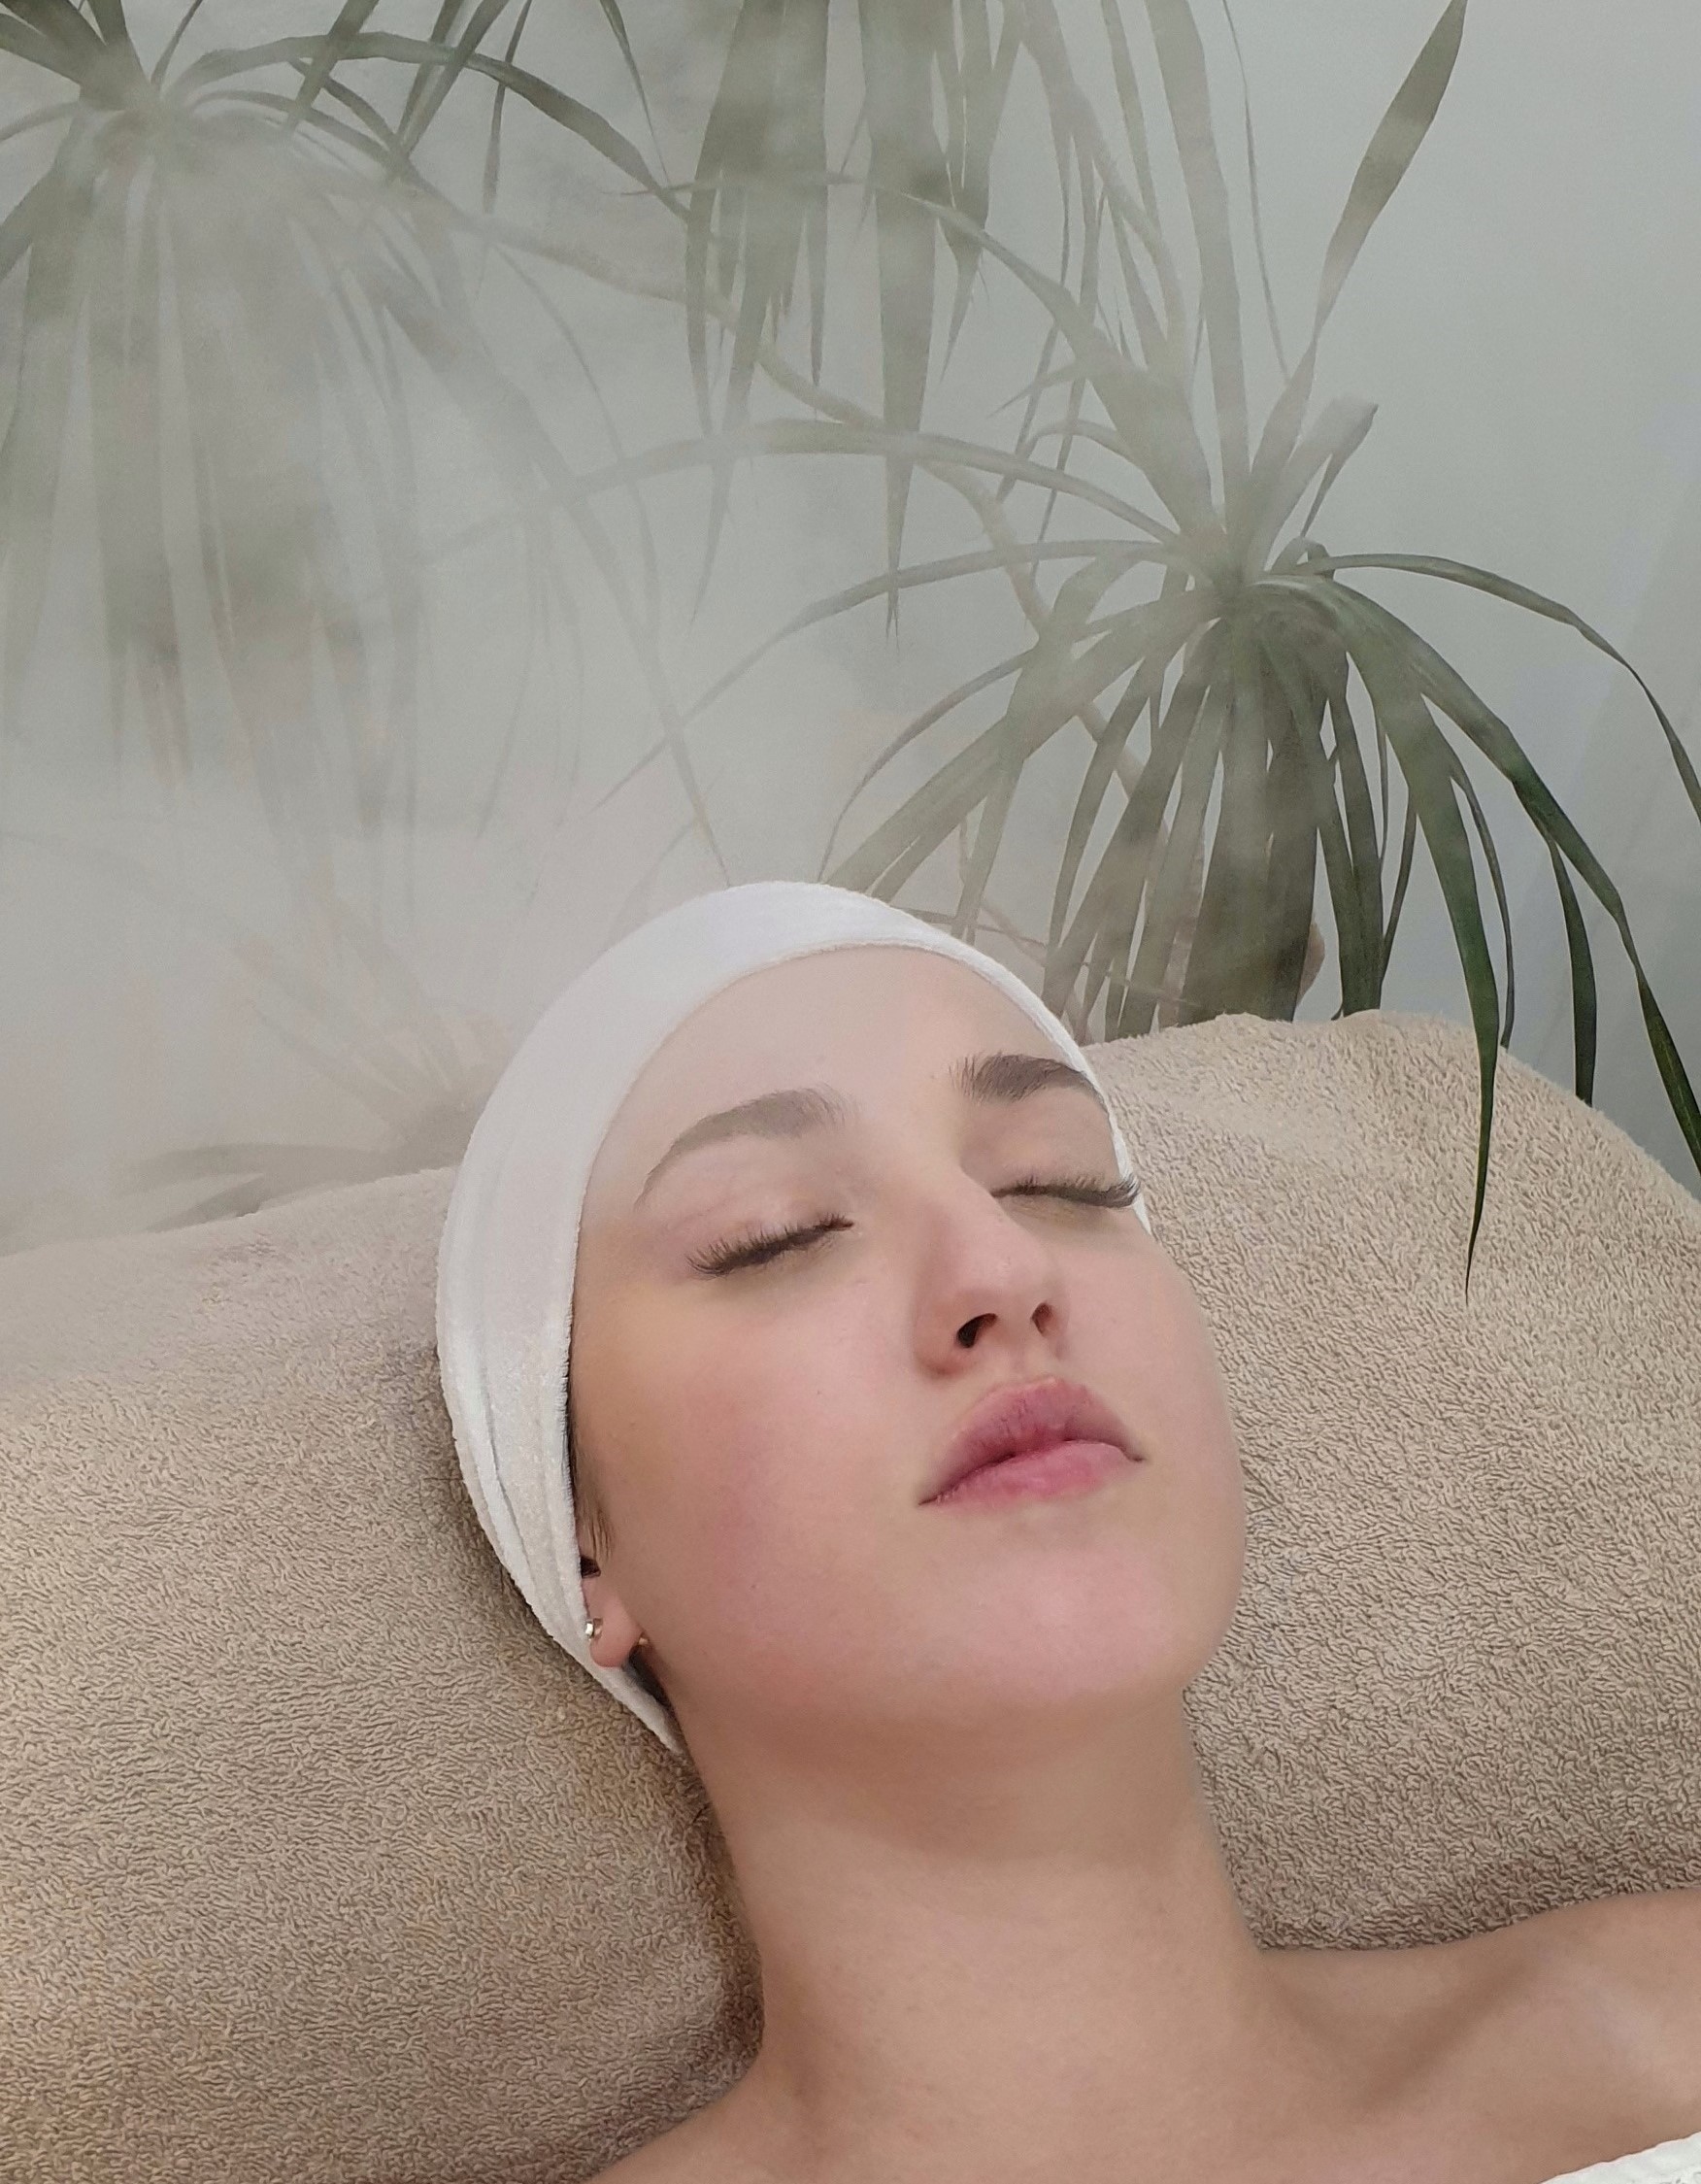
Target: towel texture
point(320, 1863)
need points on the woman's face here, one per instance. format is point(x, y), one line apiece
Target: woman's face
point(764, 1436)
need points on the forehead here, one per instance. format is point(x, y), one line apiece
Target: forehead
point(876, 1021)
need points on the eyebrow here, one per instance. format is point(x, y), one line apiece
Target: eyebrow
point(992, 1080)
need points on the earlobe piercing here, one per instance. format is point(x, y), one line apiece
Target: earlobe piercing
point(592, 1629)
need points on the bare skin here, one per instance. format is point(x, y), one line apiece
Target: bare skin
point(947, 1747)
point(1501, 2059)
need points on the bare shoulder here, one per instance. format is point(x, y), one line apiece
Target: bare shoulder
point(661, 2162)
point(1628, 1967)
point(664, 2161)
point(1575, 2033)
point(649, 2165)
point(692, 2151)
point(1563, 2040)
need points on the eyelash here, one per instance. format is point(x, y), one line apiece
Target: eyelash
point(769, 1244)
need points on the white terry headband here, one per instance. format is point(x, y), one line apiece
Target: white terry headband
point(510, 1241)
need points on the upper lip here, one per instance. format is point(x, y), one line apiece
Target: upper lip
point(1011, 1420)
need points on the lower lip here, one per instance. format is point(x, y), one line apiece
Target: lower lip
point(1066, 1468)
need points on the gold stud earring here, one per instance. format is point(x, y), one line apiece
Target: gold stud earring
point(592, 1630)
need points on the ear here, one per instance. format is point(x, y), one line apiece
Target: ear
point(621, 1628)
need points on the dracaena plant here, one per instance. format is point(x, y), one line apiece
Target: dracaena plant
point(1253, 712)
point(237, 253)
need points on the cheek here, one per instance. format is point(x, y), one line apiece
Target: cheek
point(759, 1439)
point(1157, 1364)
point(758, 1539)
point(1190, 1393)
point(1156, 1350)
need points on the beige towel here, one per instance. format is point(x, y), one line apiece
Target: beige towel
point(319, 1864)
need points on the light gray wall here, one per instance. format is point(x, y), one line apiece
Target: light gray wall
point(1526, 317)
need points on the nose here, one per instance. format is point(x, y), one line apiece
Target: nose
point(985, 1275)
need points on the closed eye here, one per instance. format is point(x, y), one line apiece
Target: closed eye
point(765, 1245)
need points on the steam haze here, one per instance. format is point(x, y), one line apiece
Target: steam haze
point(331, 927)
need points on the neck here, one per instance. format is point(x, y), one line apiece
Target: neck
point(1025, 1967)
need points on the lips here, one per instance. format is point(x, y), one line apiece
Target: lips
point(1010, 1421)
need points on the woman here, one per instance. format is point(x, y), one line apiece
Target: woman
point(832, 1205)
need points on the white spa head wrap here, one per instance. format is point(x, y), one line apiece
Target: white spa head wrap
point(510, 1240)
